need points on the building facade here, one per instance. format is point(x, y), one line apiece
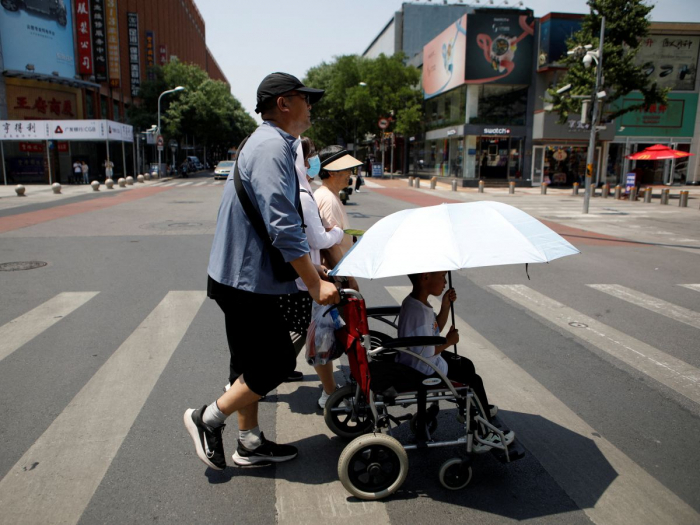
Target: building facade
point(86, 59)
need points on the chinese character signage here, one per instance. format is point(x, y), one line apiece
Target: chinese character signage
point(676, 118)
point(134, 61)
point(99, 40)
point(150, 54)
point(84, 36)
point(444, 59)
point(499, 48)
point(670, 60)
point(31, 35)
point(162, 54)
point(112, 43)
point(29, 102)
point(24, 130)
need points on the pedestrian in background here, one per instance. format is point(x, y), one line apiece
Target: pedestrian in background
point(84, 168)
point(241, 277)
point(76, 172)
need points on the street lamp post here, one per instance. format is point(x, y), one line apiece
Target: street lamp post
point(597, 102)
point(354, 138)
point(178, 88)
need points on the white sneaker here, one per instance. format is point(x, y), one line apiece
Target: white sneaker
point(322, 400)
point(492, 439)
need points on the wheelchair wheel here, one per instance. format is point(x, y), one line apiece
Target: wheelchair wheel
point(339, 416)
point(455, 474)
point(373, 467)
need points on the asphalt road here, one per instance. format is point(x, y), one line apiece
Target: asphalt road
point(593, 362)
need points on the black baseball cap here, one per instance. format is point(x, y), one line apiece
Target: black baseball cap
point(276, 84)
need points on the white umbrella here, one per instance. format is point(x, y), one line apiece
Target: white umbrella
point(450, 237)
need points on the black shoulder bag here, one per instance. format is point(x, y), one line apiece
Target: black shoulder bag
point(283, 271)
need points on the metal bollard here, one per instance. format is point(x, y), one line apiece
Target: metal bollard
point(683, 203)
point(433, 183)
point(618, 192)
point(633, 194)
point(647, 195)
point(481, 186)
point(543, 188)
point(574, 190)
point(416, 182)
point(664, 195)
point(606, 190)
point(511, 188)
point(410, 182)
point(454, 185)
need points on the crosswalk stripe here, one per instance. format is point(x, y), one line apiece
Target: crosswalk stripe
point(26, 327)
point(695, 287)
point(56, 478)
point(633, 496)
point(672, 311)
point(202, 183)
point(165, 184)
point(186, 183)
point(329, 504)
point(667, 370)
point(218, 182)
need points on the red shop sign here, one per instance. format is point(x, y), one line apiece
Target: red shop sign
point(82, 24)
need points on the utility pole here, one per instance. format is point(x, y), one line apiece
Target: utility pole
point(594, 120)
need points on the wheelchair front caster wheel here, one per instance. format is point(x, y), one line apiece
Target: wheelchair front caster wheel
point(345, 416)
point(455, 474)
point(373, 467)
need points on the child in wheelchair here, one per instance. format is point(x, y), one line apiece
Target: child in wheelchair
point(417, 318)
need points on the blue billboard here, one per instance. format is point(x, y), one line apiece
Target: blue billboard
point(38, 34)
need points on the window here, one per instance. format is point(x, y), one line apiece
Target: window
point(499, 104)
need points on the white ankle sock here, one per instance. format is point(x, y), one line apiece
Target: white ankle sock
point(250, 438)
point(213, 416)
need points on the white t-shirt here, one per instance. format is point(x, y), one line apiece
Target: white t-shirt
point(417, 319)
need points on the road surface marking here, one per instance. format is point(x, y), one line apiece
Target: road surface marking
point(300, 499)
point(674, 373)
point(56, 478)
point(631, 495)
point(186, 183)
point(202, 183)
point(218, 182)
point(26, 327)
point(695, 287)
point(672, 311)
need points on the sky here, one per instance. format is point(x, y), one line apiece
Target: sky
point(252, 38)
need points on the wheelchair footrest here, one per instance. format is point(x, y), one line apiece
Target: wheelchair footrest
point(515, 452)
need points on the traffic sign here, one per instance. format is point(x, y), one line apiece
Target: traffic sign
point(383, 123)
point(159, 141)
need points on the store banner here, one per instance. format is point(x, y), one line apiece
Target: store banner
point(499, 48)
point(162, 54)
point(38, 38)
point(77, 129)
point(84, 36)
point(24, 129)
point(670, 60)
point(150, 54)
point(120, 132)
point(99, 40)
point(30, 103)
point(444, 60)
point(676, 118)
point(134, 60)
point(65, 130)
point(112, 43)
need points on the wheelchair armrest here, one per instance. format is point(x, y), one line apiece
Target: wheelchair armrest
point(378, 311)
point(405, 342)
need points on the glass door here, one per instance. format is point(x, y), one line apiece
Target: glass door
point(537, 165)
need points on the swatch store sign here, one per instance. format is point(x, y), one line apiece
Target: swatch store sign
point(495, 131)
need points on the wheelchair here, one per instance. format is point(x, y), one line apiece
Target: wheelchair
point(375, 464)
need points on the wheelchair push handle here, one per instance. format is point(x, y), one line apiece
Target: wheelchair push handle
point(344, 294)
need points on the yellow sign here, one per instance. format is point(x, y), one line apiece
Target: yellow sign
point(113, 43)
point(589, 170)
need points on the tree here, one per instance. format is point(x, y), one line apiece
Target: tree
point(206, 109)
point(626, 23)
point(360, 91)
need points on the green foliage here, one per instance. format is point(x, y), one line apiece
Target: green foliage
point(205, 110)
point(626, 23)
point(349, 109)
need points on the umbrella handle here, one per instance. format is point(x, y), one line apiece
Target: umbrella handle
point(452, 310)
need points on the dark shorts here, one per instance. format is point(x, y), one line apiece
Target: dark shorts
point(258, 338)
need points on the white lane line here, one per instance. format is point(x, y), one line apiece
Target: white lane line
point(300, 500)
point(672, 311)
point(56, 478)
point(666, 369)
point(26, 327)
point(695, 287)
point(186, 183)
point(202, 183)
point(632, 497)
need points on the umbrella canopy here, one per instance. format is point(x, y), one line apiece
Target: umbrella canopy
point(450, 237)
point(658, 152)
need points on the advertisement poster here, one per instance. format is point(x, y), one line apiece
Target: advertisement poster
point(162, 54)
point(150, 54)
point(38, 39)
point(84, 36)
point(112, 43)
point(134, 61)
point(444, 59)
point(670, 60)
point(99, 40)
point(499, 48)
